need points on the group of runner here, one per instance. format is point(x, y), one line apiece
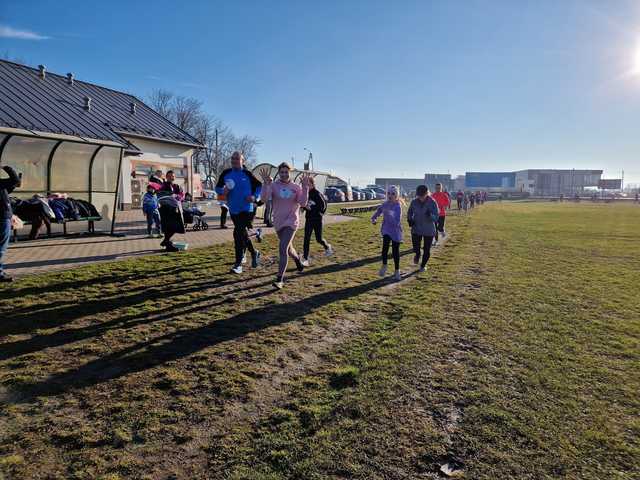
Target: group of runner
point(426, 218)
point(468, 200)
point(242, 191)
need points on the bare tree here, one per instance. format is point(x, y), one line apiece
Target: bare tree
point(213, 133)
point(187, 112)
point(162, 102)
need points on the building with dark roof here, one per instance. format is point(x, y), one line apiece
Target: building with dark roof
point(72, 136)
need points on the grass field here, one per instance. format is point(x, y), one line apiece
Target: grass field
point(516, 355)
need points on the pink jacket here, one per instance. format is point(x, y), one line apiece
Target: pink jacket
point(287, 199)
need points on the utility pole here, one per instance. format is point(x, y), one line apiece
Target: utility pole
point(215, 161)
point(622, 181)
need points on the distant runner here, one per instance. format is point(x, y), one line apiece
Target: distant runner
point(459, 199)
point(444, 201)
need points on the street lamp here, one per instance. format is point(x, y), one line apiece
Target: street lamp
point(309, 162)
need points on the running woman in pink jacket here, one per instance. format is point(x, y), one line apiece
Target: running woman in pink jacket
point(287, 198)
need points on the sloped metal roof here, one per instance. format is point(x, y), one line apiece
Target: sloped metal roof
point(52, 105)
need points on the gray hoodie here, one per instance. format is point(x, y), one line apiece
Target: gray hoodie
point(420, 216)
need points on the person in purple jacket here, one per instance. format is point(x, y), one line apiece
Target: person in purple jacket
point(391, 230)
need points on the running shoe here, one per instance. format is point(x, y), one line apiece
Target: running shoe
point(279, 283)
point(383, 271)
point(237, 269)
point(305, 262)
point(255, 260)
point(422, 268)
point(397, 275)
point(150, 236)
point(329, 251)
point(259, 235)
point(444, 234)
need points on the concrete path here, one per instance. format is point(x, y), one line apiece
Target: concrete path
point(47, 254)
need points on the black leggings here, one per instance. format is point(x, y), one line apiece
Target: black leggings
point(223, 215)
point(241, 241)
point(313, 225)
point(395, 250)
point(417, 241)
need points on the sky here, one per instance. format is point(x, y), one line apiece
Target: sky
point(372, 88)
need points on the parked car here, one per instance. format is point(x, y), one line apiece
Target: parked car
point(334, 195)
point(348, 193)
point(377, 195)
point(362, 195)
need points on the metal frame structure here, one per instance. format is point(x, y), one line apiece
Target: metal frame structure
point(51, 165)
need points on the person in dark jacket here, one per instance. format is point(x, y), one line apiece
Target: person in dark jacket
point(7, 185)
point(315, 209)
point(171, 218)
point(422, 215)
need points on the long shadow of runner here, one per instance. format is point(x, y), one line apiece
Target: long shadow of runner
point(56, 339)
point(183, 343)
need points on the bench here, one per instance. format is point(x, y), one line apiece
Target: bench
point(352, 210)
point(91, 225)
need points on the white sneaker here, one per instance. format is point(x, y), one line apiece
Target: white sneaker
point(244, 260)
point(305, 262)
point(396, 275)
point(279, 284)
point(237, 269)
point(383, 271)
point(329, 251)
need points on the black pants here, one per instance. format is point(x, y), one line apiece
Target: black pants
point(417, 245)
point(223, 215)
point(395, 250)
point(241, 241)
point(313, 225)
point(439, 225)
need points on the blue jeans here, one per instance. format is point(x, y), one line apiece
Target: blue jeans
point(153, 217)
point(5, 235)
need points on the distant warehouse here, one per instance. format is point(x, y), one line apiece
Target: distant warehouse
point(537, 182)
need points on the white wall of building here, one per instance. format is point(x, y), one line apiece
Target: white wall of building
point(156, 155)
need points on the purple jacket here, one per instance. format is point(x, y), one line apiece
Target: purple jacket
point(392, 222)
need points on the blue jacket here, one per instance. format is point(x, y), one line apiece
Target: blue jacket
point(243, 184)
point(149, 202)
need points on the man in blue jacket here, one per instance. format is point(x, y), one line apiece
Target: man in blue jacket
point(242, 189)
point(7, 186)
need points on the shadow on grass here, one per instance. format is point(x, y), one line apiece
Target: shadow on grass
point(180, 344)
point(175, 310)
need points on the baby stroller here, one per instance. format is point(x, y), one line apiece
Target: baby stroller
point(196, 217)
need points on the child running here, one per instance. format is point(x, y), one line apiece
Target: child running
point(391, 230)
point(422, 217)
point(315, 209)
point(287, 198)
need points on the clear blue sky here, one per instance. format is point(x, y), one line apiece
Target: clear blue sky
point(372, 88)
